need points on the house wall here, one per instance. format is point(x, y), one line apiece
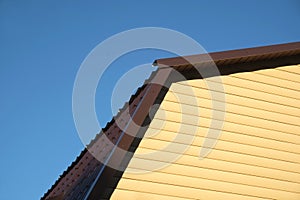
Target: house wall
point(257, 155)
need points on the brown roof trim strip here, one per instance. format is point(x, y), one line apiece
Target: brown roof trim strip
point(155, 90)
point(232, 56)
point(281, 53)
point(83, 171)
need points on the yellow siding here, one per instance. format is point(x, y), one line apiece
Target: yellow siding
point(257, 155)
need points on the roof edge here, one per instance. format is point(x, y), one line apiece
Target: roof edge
point(232, 56)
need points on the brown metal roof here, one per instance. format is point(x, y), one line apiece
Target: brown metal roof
point(75, 182)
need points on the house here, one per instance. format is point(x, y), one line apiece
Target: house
point(200, 135)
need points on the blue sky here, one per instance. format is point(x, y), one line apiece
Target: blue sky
point(43, 43)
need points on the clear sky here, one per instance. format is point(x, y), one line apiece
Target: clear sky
point(43, 43)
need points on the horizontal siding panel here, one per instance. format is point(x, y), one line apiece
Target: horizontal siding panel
point(201, 132)
point(205, 184)
point(183, 192)
point(227, 153)
point(162, 159)
point(136, 195)
point(236, 81)
point(235, 90)
point(291, 69)
point(204, 106)
point(279, 74)
point(228, 126)
point(222, 176)
point(229, 117)
point(204, 95)
point(271, 80)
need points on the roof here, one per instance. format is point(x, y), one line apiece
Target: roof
point(77, 180)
